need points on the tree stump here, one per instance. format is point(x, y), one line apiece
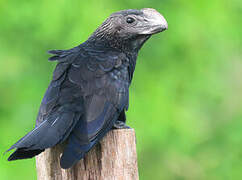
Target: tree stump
point(114, 158)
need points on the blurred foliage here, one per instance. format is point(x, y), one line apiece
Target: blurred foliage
point(186, 96)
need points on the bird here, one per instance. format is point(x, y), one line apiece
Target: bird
point(89, 91)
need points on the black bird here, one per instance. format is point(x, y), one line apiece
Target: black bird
point(89, 92)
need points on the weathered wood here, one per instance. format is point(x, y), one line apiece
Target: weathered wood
point(114, 158)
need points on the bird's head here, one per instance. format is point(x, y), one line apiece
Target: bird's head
point(129, 29)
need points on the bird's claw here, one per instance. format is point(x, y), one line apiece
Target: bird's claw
point(120, 125)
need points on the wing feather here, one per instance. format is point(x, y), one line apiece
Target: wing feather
point(88, 92)
point(105, 92)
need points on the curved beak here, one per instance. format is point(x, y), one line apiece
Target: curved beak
point(154, 21)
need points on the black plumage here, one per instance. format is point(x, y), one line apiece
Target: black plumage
point(89, 91)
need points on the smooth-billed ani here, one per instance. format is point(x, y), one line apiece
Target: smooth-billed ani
point(89, 92)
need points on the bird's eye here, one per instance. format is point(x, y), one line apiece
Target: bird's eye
point(130, 20)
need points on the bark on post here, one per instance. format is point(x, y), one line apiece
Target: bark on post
point(114, 158)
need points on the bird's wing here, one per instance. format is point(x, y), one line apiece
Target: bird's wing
point(103, 79)
point(88, 91)
point(61, 108)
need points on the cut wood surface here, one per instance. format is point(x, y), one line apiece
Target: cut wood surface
point(114, 158)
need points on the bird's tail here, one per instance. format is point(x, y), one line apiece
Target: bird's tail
point(80, 141)
point(74, 151)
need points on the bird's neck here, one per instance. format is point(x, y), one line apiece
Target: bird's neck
point(127, 46)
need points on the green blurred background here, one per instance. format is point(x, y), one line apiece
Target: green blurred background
point(186, 96)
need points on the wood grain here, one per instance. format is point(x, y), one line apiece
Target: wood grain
point(114, 158)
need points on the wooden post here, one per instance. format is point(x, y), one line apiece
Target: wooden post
point(114, 158)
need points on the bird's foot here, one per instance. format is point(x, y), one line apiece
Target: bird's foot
point(120, 125)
